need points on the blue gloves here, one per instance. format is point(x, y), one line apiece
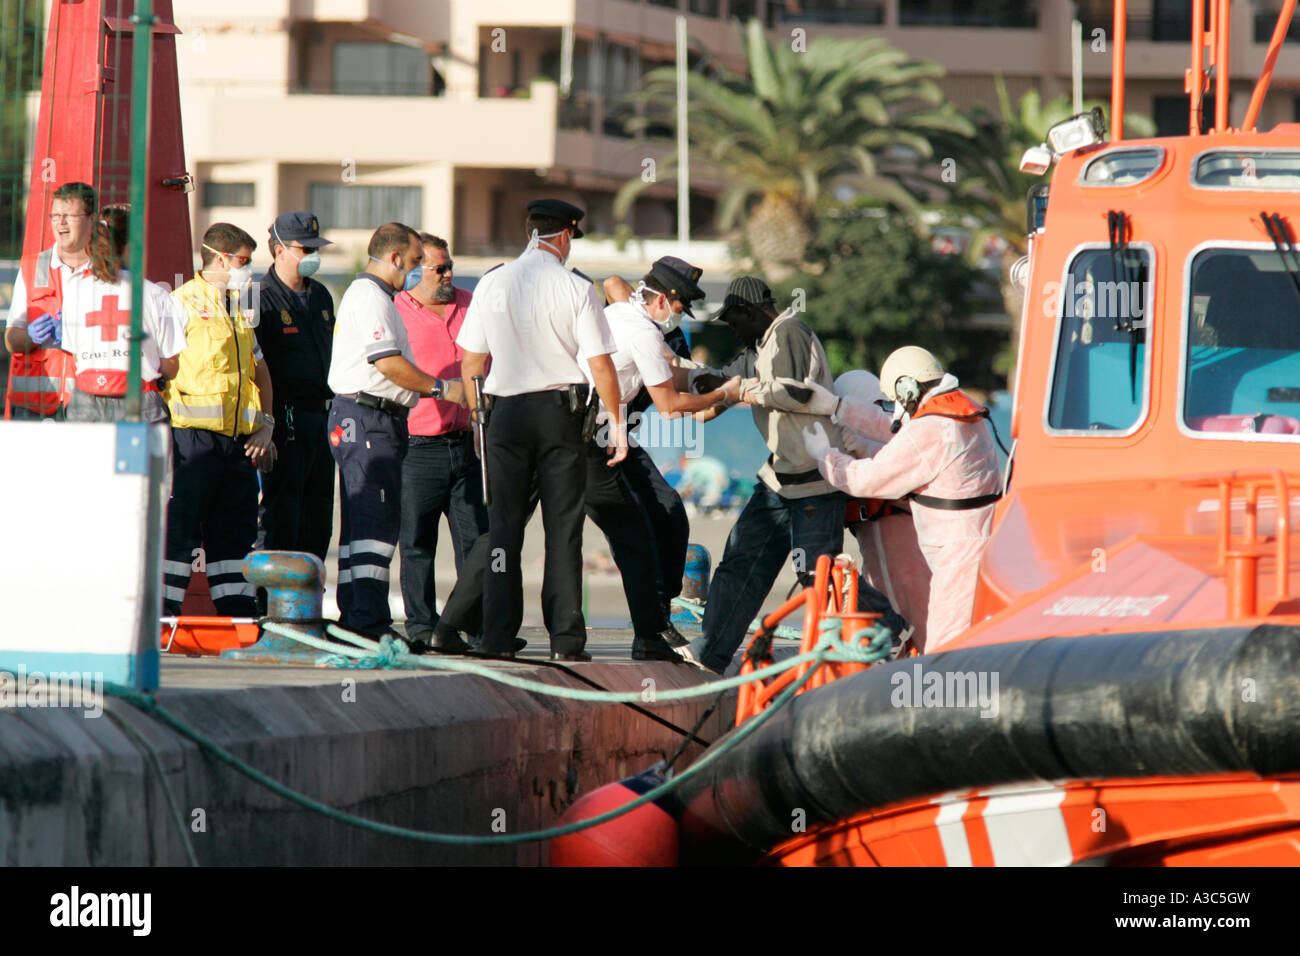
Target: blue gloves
point(47, 330)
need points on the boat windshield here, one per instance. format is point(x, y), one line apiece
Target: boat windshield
point(1243, 345)
point(1099, 379)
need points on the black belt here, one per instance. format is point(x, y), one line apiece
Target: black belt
point(795, 477)
point(450, 438)
point(387, 405)
point(955, 504)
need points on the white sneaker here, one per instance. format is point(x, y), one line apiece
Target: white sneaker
point(689, 657)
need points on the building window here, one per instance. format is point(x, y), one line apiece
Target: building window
point(830, 11)
point(1171, 114)
point(229, 194)
point(365, 207)
point(965, 13)
point(381, 69)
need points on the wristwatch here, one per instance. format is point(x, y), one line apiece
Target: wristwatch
point(266, 418)
point(436, 391)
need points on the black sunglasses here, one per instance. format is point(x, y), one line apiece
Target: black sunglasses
point(443, 269)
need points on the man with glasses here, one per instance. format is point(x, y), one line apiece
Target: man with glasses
point(296, 334)
point(440, 473)
point(39, 374)
point(220, 433)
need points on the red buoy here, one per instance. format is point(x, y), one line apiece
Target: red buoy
point(647, 836)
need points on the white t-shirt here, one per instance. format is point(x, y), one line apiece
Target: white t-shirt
point(96, 318)
point(639, 357)
point(534, 317)
point(18, 303)
point(368, 327)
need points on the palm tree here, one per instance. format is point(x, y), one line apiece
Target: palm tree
point(991, 188)
point(795, 123)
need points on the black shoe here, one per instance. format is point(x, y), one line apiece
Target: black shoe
point(450, 643)
point(492, 655)
point(673, 637)
point(654, 648)
point(520, 644)
point(574, 656)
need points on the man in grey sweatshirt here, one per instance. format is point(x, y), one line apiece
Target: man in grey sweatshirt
point(793, 509)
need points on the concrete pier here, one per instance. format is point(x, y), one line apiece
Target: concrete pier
point(444, 752)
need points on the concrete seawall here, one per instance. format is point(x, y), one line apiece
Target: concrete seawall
point(452, 753)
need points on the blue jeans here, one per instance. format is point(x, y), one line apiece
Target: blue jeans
point(768, 530)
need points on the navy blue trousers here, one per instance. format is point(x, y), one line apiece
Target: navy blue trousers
point(213, 507)
point(368, 446)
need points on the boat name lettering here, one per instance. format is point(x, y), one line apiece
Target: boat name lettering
point(1104, 606)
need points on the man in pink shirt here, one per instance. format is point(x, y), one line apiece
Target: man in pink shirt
point(440, 473)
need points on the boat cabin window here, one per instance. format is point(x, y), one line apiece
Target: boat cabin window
point(1248, 169)
point(1123, 167)
point(1100, 376)
point(1243, 345)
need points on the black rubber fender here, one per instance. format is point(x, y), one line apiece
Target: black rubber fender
point(1187, 702)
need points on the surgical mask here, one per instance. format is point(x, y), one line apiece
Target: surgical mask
point(407, 285)
point(673, 321)
point(309, 264)
point(413, 278)
point(535, 240)
point(240, 278)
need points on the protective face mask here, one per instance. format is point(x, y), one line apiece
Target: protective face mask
point(308, 264)
point(535, 240)
point(413, 278)
point(240, 278)
point(673, 321)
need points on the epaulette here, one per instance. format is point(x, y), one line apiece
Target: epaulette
point(494, 268)
point(583, 275)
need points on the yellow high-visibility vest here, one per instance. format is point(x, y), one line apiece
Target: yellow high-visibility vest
point(214, 388)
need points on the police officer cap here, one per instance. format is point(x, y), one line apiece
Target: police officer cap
point(566, 212)
point(301, 227)
point(744, 290)
point(680, 279)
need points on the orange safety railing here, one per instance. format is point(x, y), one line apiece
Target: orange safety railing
point(1239, 559)
point(833, 594)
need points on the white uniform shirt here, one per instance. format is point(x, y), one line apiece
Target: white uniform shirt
point(104, 347)
point(368, 327)
point(18, 303)
point(639, 358)
point(534, 317)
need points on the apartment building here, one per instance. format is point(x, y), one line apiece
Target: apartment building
point(451, 114)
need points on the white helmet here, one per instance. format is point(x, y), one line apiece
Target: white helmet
point(859, 385)
point(911, 361)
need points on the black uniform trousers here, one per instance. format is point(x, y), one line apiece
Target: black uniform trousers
point(298, 495)
point(440, 476)
point(535, 436)
point(667, 514)
point(616, 510)
point(368, 446)
point(213, 507)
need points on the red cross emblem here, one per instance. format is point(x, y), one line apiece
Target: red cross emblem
point(109, 318)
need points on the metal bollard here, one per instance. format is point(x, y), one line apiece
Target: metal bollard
point(695, 584)
point(295, 589)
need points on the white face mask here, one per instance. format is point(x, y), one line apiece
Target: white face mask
point(535, 240)
point(240, 278)
point(673, 321)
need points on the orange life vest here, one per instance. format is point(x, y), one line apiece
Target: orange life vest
point(955, 404)
point(42, 380)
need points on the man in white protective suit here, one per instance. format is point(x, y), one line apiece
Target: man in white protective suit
point(892, 561)
point(938, 453)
